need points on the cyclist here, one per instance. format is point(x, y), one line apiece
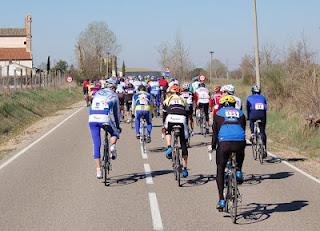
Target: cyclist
point(142, 107)
point(230, 90)
point(129, 92)
point(187, 95)
point(121, 94)
point(194, 86)
point(229, 134)
point(257, 110)
point(104, 110)
point(154, 88)
point(137, 82)
point(202, 98)
point(175, 112)
point(214, 101)
point(163, 87)
point(85, 87)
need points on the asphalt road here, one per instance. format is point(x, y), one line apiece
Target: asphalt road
point(52, 186)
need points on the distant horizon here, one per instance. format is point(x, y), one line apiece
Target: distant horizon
point(224, 27)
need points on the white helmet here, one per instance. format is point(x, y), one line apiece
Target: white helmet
point(185, 86)
point(228, 88)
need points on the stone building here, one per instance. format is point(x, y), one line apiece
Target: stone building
point(16, 49)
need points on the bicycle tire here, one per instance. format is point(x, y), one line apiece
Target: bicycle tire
point(254, 147)
point(234, 209)
point(260, 149)
point(228, 194)
point(106, 164)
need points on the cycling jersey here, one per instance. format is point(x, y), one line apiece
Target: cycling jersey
point(142, 101)
point(215, 102)
point(202, 95)
point(154, 87)
point(229, 125)
point(256, 106)
point(194, 86)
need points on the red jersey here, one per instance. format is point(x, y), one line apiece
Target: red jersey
point(163, 83)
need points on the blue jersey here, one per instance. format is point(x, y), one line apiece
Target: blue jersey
point(154, 87)
point(105, 108)
point(256, 106)
point(229, 124)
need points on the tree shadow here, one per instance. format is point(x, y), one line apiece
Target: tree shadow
point(126, 179)
point(258, 212)
point(197, 180)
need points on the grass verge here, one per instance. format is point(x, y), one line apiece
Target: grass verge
point(19, 110)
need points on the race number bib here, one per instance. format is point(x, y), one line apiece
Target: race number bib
point(232, 113)
point(259, 106)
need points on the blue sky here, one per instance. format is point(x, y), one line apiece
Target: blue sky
point(224, 26)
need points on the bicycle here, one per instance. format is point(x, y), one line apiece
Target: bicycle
point(232, 195)
point(258, 148)
point(176, 155)
point(202, 122)
point(131, 118)
point(143, 134)
point(106, 160)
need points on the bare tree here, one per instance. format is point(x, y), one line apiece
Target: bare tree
point(219, 69)
point(93, 45)
point(176, 57)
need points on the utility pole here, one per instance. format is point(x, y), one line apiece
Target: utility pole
point(210, 75)
point(256, 44)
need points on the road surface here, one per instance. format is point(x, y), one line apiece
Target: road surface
point(52, 186)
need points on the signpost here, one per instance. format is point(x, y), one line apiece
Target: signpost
point(69, 79)
point(202, 78)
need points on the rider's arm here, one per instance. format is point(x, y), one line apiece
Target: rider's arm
point(116, 112)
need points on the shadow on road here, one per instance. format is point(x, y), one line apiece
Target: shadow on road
point(126, 179)
point(257, 212)
point(197, 180)
point(254, 179)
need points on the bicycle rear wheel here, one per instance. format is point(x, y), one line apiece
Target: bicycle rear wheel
point(254, 147)
point(106, 159)
point(260, 149)
point(234, 197)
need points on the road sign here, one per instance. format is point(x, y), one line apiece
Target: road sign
point(69, 79)
point(202, 78)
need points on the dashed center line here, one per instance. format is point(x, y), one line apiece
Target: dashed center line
point(147, 172)
point(143, 153)
point(155, 212)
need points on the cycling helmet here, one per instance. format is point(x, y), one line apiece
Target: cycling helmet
point(228, 88)
point(256, 89)
point(227, 100)
point(175, 89)
point(110, 83)
point(152, 78)
point(185, 86)
point(130, 85)
point(217, 89)
point(142, 88)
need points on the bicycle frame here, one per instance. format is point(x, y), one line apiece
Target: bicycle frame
point(258, 146)
point(232, 195)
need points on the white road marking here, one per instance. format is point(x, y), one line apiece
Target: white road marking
point(155, 212)
point(147, 172)
point(292, 166)
point(210, 156)
point(143, 153)
point(295, 168)
point(37, 141)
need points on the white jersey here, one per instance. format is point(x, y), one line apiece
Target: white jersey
point(105, 108)
point(187, 95)
point(203, 95)
point(136, 84)
point(238, 102)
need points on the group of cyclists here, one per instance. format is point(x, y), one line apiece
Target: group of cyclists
point(145, 96)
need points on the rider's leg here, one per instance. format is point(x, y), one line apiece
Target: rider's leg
point(96, 139)
point(148, 117)
point(221, 160)
point(158, 100)
point(184, 134)
point(137, 122)
point(263, 131)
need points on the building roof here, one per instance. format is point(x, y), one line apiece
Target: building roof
point(12, 32)
point(14, 54)
point(139, 70)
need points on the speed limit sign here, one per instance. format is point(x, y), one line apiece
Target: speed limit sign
point(69, 79)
